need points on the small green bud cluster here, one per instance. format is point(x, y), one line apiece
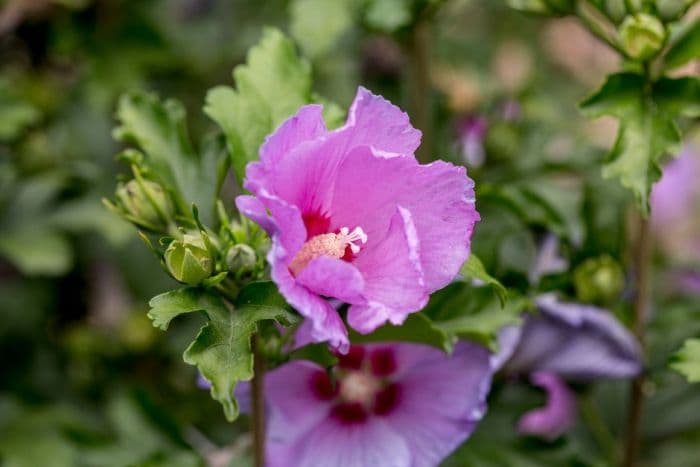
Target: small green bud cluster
point(192, 253)
point(667, 10)
point(671, 10)
point(201, 257)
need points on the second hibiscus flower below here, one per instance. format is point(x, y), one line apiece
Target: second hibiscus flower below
point(353, 216)
point(393, 405)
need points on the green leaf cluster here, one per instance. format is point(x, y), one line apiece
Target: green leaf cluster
point(261, 100)
point(648, 132)
point(222, 350)
point(166, 154)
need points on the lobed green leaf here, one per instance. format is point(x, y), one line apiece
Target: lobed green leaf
point(687, 360)
point(272, 84)
point(222, 350)
point(647, 130)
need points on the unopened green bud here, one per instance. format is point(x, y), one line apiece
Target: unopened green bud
point(643, 36)
point(240, 257)
point(188, 260)
point(615, 9)
point(672, 9)
point(598, 280)
point(146, 202)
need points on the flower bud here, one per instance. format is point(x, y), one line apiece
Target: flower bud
point(643, 36)
point(598, 280)
point(670, 10)
point(188, 260)
point(240, 257)
point(146, 202)
point(615, 9)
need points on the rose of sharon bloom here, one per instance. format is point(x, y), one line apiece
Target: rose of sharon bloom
point(354, 217)
point(389, 405)
point(565, 341)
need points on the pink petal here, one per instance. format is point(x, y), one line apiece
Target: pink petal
point(331, 443)
point(394, 285)
point(307, 124)
point(374, 121)
point(439, 197)
point(331, 277)
point(255, 210)
point(326, 324)
point(442, 398)
point(557, 415)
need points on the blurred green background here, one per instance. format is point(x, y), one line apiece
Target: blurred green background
point(86, 380)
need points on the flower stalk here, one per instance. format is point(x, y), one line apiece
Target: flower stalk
point(642, 270)
point(258, 405)
point(420, 92)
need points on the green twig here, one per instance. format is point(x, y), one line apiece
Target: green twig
point(258, 403)
point(420, 90)
point(642, 271)
point(584, 13)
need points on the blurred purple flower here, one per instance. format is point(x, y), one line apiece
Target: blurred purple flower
point(690, 281)
point(471, 132)
point(569, 341)
point(399, 405)
point(675, 203)
point(674, 198)
point(558, 414)
point(577, 342)
point(353, 216)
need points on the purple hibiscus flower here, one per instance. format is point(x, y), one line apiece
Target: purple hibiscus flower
point(565, 341)
point(471, 132)
point(354, 217)
point(394, 405)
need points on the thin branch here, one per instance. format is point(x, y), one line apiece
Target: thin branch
point(642, 272)
point(258, 402)
point(585, 13)
point(420, 90)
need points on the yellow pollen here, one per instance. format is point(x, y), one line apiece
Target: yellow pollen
point(330, 244)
